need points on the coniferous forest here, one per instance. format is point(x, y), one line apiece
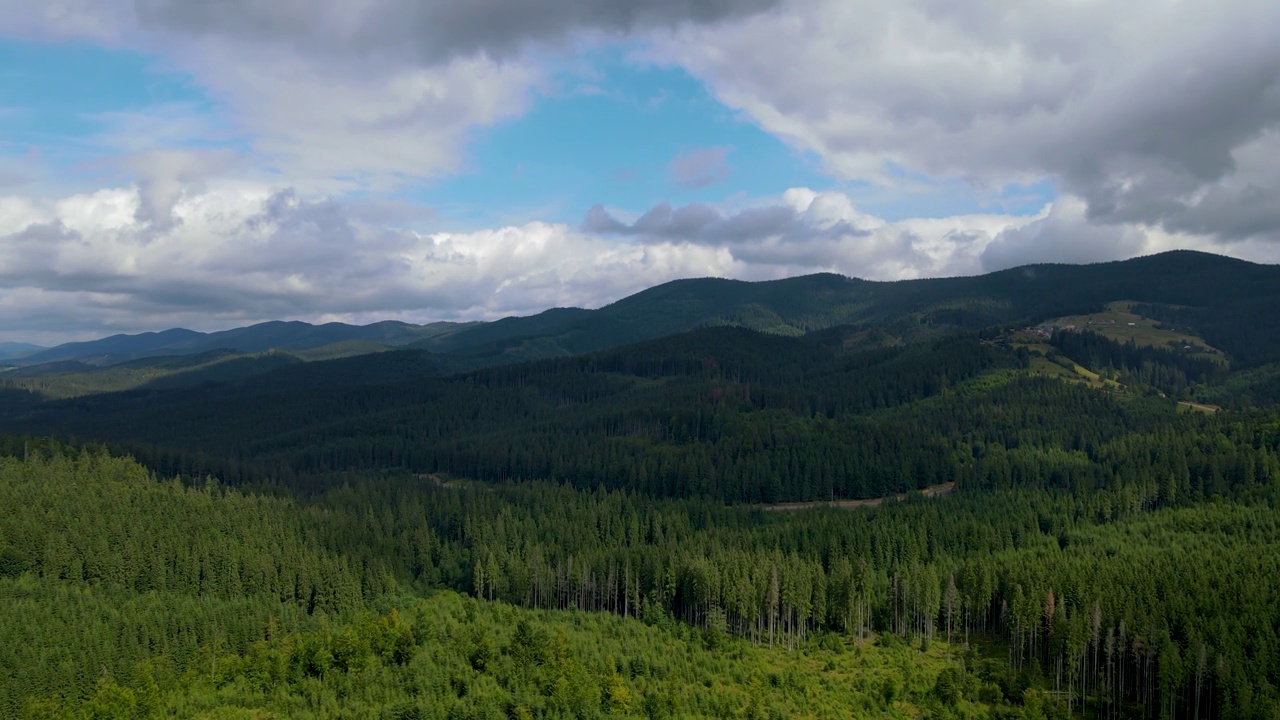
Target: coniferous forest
point(1012, 520)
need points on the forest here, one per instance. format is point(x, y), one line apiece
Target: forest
point(646, 531)
point(1017, 604)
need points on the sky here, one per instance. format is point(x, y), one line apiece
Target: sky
point(214, 163)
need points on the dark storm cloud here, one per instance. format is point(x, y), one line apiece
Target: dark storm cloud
point(1157, 114)
point(429, 31)
point(1164, 154)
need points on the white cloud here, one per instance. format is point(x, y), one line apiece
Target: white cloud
point(321, 116)
point(334, 124)
point(1160, 124)
point(1150, 111)
point(237, 253)
point(86, 265)
point(336, 95)
point(1063, 235)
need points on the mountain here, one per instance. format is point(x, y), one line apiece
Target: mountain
point(1068, 463)
point(123, 347)
point(275, 335)
point(617, 382)
point(726, 412)
point(1230, 303)
point(10, 350)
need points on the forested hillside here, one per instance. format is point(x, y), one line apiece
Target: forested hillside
point(222, 604)
point(1227, 301)
point(639, 530)
point(1105, 600)
point(720, 413)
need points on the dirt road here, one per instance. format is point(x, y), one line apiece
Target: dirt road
point(931, 491)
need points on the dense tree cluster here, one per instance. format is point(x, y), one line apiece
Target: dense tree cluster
point(1113, 599)
point(1171, 370)
point(723, 413)
point(134, 635)
point(1131, 586)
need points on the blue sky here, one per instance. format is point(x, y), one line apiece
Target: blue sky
point(607, 137)
point(58, 99)
point(164, 164)
point(610, 139)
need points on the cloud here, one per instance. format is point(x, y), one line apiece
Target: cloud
point(334, 95)
point(1063, 235)
point(805, 231)
point(356, 124)
point(1238, 206)
point(15, 172)
point(801, 214)
point(98, 20)
point(1158, 123)
point(86, 265)
point(700, 168)
point(236, 253)
point(429, 32)
point(1156, 114)
point(164, 176)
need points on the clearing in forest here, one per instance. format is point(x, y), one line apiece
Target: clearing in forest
point(1119, 322)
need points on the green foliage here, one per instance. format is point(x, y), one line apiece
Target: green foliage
point(106, 567)
point(1118, 574)
point(12, 562)
point(590, 667)
point(1101, 552)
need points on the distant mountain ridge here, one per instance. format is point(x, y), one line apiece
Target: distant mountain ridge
point(274, 335)
point(17, 349)
point(490, 401)
point(1231, 302)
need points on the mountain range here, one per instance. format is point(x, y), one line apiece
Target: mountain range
point(17, 349)
point(1229, 302)
point(275, 335)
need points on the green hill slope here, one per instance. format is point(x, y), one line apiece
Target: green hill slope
point(724, 413)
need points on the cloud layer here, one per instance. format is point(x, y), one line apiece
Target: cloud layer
point(362, 95)
point(1155, 113)
point(236, 253)
point(430, 31)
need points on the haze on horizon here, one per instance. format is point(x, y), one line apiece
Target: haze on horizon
point(170, 163)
